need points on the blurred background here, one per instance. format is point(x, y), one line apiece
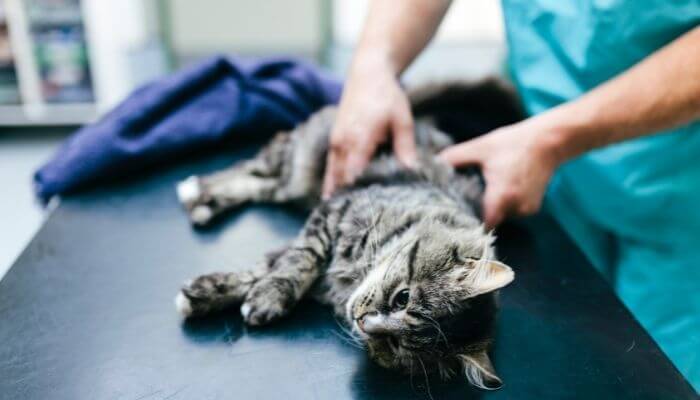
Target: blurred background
point(63, 63)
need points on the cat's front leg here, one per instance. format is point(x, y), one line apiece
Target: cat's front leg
point(292, 273)
point(214, 292)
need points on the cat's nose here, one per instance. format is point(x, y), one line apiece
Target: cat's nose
point(372, 323)
point(361, 320)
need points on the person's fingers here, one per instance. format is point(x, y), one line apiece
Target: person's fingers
point(462, 154)
point(356, 161)
point(495, 206)
point(404, 140)
point(328, 178)
point(362, 149)
point(335, 162)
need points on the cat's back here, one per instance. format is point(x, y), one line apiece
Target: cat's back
point(432, 183)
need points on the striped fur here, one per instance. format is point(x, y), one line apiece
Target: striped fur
point(401, 255)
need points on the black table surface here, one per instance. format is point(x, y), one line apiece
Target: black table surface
point(87, 312)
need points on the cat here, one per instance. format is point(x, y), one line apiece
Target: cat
point(401, 254)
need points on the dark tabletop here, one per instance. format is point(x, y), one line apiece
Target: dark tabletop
point(87, 312)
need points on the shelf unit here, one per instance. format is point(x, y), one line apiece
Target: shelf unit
point(75, 59)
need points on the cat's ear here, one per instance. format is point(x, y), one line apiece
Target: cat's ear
point(479, 371)
point(487, 276)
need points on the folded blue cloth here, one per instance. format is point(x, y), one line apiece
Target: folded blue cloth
point(220, 98)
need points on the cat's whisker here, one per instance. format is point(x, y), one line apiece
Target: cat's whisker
point(437, 326)
point(427, 381)
point(347, 335)
point(357, 342)
point(351, 334)
point(346, 340)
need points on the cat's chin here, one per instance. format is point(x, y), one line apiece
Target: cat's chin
point(388, 354)
point(392, 356)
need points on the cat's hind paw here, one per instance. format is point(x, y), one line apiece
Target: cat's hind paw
point(189, 191)
point(191, 195)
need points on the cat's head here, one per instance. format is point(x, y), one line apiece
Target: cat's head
point(429, 302)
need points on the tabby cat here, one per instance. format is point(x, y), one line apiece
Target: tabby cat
point(401, 255)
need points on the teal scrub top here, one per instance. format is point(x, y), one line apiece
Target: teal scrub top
point(633, 207)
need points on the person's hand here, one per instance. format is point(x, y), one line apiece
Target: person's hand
point(373, 108)
point(516, 164)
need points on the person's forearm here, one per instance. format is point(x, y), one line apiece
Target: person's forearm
point(396, 31)
point(661, 92)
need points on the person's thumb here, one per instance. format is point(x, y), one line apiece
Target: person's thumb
point(404, 140)
point(462, 154)
point(495, 207)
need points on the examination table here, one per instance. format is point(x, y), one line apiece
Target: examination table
point(87, 312)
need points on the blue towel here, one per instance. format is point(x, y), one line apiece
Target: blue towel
point(220, 98)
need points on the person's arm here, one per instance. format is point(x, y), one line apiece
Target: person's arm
point(661, 92)
point(373, 106)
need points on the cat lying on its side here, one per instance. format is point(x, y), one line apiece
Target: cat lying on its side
point(401, 255)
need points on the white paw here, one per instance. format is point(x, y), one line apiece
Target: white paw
point(245, 310)
point(183, 305)
point(200, 215)
point(188, 191)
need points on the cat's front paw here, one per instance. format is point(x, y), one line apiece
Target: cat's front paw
point(183, 305)
point(268, 301)
point(211, 293)
point(196, 299)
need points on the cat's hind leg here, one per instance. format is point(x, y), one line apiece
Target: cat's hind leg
point(255, 180)
point(289, 168)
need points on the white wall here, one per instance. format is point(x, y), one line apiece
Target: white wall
point(251, 27)
point(121, 34)
point(469, 44)
point(467, 20)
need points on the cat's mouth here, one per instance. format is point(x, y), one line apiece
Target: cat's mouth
point(393, 343)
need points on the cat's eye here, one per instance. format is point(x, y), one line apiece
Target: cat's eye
point(400, 300)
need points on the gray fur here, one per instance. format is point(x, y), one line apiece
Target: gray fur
point(394, 229)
